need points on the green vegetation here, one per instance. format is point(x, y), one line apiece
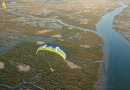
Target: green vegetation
point(73, 41)
point(63, 77)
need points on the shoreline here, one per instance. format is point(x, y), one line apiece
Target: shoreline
point(101, 83)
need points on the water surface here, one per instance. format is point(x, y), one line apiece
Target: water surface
point(118, 52)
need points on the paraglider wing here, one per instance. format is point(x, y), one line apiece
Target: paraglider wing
point(53, 48)
point(3, 5)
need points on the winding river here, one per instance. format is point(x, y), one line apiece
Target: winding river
point(117, 50)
